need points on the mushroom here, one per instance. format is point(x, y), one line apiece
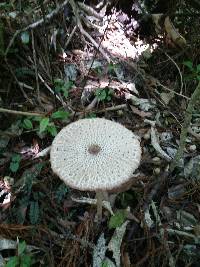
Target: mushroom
point(95, 155)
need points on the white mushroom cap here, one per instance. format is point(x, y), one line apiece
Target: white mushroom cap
point(95, 154)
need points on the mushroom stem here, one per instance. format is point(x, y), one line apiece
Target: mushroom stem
point(99, 197)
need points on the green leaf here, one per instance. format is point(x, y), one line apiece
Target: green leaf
point(111, 67)
point(43, 124)
point(13, 262)
point(25, 37)
point(4, 140)
point(61, 192)
point(60, 114)
point(198, 77)
point(66, 94)
point(91, 115)
point(58, 82)
point(37, 118)
point(24, 71)
point(117, 219)
point(21, 247)
point(36, 196)
point(110, 91)
point(62, 86)
point(29, 176)
point(5, 5)
point(14, 166)
point(189, 64)
point(25, 261)
point(101, 94)
point(34, 212)
point(22, 209)
point(198, 68)
point(68, 85)
point(104, 264)
point(16, 157)
point(52, 130)
point(27, 124)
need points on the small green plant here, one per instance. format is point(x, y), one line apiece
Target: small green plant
point(34, 212)
point(22, 259)
point(195, 70)
point(5, 6)
point(104, 264)
point(28, 205)
point(117, 219)
point(15, 161)
point(104, 94)
point(45, 125)
point(91, 115)
point(62, 87)
point(27, 124)
point(112, 68)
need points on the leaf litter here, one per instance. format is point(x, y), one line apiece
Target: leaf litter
point(131, 81)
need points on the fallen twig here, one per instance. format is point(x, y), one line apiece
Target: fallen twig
point(196, 135)
point(157, 147)
point(22, 84)
point(48, 87)
point(43, 152)
point(90, 10)
point(114, 108)
point(70, 36)
point(170, 90)
point(22, 113)
point(36, 69)
point(181, 77)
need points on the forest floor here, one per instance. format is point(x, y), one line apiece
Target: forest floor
point(73, 61)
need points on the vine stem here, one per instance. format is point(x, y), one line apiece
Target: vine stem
point(188, 117)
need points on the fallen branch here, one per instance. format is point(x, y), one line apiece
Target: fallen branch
point(90, 11)
point(22, 113)
point(79, 24)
